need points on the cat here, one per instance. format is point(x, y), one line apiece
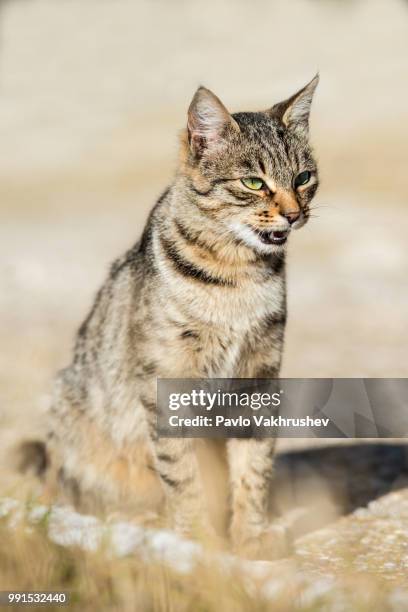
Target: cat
point(202, 294)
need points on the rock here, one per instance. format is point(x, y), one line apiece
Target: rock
point(372, 540)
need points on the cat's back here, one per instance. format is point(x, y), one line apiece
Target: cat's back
point(115, 320)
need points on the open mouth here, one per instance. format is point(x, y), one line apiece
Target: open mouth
point(273, 237)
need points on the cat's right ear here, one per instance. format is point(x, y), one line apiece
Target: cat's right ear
point(208, 122)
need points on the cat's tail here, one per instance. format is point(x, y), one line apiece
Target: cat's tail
point(31, 457)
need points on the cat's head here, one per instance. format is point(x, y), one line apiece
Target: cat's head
point(253, 173)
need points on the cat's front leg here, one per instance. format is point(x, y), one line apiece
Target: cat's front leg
point(252, 534)
point(176, 464)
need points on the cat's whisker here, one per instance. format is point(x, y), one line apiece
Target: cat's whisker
point(330, 207)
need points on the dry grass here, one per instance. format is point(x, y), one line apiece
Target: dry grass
point(29, 561)
point(310, 581)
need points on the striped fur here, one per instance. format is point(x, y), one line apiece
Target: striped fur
point(200, 295)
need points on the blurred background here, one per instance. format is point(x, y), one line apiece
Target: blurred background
point(92, 96)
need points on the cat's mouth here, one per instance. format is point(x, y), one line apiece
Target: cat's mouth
point(277, 237)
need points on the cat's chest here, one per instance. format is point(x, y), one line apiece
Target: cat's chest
point(236, 318)
point(206, 331)
point(241, 309)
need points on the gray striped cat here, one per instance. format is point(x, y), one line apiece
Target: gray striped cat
point(202, 294)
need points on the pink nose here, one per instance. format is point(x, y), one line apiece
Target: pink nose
point(291, 216)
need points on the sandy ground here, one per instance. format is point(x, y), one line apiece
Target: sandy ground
point(92, 97)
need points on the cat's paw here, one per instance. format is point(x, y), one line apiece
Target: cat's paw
point(269, 544)
point(202, 532)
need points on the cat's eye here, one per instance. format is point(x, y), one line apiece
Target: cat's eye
point(253, 183)
point(302, 179)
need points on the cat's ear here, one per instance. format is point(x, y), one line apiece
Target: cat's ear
point(294, 112)
point(208, 121)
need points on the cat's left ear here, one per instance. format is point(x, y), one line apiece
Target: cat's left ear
point(294, 112)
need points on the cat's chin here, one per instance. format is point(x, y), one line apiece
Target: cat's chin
point(261, 241)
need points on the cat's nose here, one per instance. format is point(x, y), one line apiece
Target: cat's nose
point(291, 216)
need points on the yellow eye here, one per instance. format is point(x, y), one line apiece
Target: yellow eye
point(253, 183)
